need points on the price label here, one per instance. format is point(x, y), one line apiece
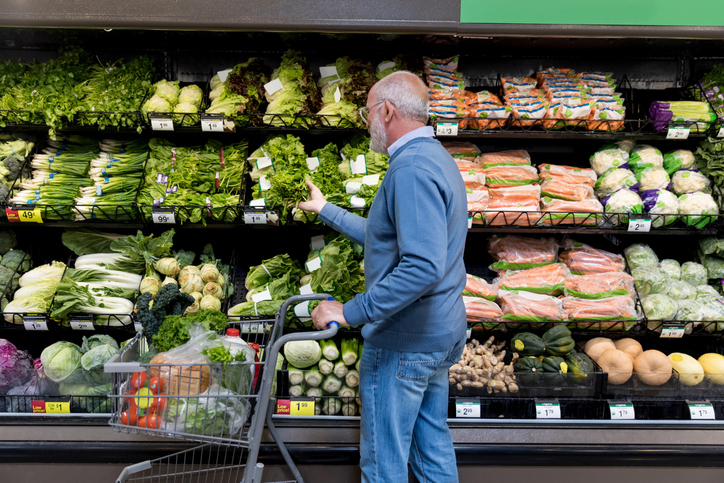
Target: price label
point(24, 215)
point(313, 264)
point(163, 216)
point(701, 410)
point(672, 331)
point(212, 122)
point(137, 326)
point(302, 407)
point(639, 224)
point(161, 123)
point(720, 134)
point(81, 322)
point(261, 296)
point(306, 289)
point(547, 410)
point(677, 132)
point(467, 409)
point(469, 332)
point(57, 407)
point(273, 86)
point(317, 242)
point(621, 410)
point(223, 74)
point(35, 323)
point(337, 95)
point(255, 217)
point(470, 222)
point(313, 163)
point(264, 162)
point(447, 129)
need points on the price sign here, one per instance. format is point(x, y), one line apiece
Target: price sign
point(302, 407)
point(306, 289)
point(81, 322)
point(470, 222)
point(701, 410)
point(163, 216)
point(672, 331)
point(137, 326)
point(313, 163)
point(160, 123)
point(621, 410)
point(273, 86)
point(35, 323)
point(57, 407)
point(639, 223)
point(255, 216)
point(212, 122)
point(677, 132)
point(547, 409)
point(467, 409)
point(24, 215)
point(447, 129)
point(720, 134)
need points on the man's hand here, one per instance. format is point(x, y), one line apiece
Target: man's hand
point(316, 200)
point(327, 312)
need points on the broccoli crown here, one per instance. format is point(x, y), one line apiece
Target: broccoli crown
point(7, 241)
point(8, 277)
point(12, 165)
point(16, 260)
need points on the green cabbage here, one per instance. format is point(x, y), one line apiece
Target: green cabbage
point(94, 360)
point(640, 255)
point(168, 90)
point(693, 273)
point(302, 353)
point(191, 94)
point(659, 307)
point(61, 362)
point(671, 267)
point(156, 104)
point(651, 281)
point(96, 340)
point(188, 108)
point(679, 290)
point(706, 291)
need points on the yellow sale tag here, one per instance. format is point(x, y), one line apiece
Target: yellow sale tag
point(302, 407)
point(30, 216)
point(57, 407)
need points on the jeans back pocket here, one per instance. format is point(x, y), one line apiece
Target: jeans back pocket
point(416, 366)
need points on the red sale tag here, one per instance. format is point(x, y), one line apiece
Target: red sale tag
point(284, 406)
point(38, 406)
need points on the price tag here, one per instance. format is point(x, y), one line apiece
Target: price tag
point(470, 222)
point(447, 129)
point(313, 163)
point(35, 323)
point(701, 410)
point(359, 165)
point(255, 217)
point(302, 407)
point(672, 331)
point(469, 332)
point(306, 289)
point(328, 71)
point(302, 310)
point(621, 410)
point(212, 122)
point(264, 184)
point(318, 242)
point(264, 162)
point(357, 202)
point(677, 132)
point(371, 179)
point(163, 216)
point(57, 407)
point(351, 187)
point(259, 202)
point(24, 215)
point(337, 95)
point(81, 322)
point(161, 123)
point(313, 264)
point(273, 86)
point(385, 66)
point(720, 134)
point(261, 296)
point(547, 409)
point(223, 74)
point(639, 223)
point(38, 406)
point(137, 326)
point(467, 409)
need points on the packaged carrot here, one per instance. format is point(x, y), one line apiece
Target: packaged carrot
point(548, 279)
point(513, 252)
point(477, 287)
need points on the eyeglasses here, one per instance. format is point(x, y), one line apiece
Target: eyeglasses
point(365, 111)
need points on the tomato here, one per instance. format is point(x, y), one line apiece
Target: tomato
point(156, 385)
point(151, 422)
point(158, 406)
point(130, 417)
point(132, 400)
point(138, 380)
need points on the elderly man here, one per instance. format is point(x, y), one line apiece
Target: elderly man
point(412, 311)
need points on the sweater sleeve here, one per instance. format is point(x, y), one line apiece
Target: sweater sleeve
point(351, 225)
point(417, 205)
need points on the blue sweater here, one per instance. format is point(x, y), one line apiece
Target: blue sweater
point(414, 241)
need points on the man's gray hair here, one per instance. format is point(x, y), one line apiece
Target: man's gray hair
point(404, 89)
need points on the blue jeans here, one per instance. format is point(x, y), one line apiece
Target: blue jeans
point(404, 412)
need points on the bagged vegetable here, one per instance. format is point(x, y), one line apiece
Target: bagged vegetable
point(504, 158)
point(571, 212)
point(528, 306)
point(705, 291)
point(513, 252)
point(645, 156)
point(663, 204)
point(568, 174)
point(553, 188)
point(689, 181)
point(697, 209)
point(477, 287)
point(600, 285)
point(693, 273)
point(622, 201)
point(586, 260)
point(510, 176)
point(548, 279)
point(690, 311)
point(659, 307)
point(214, 412)
point(517, 194)
point(612, 308)
point(184, 370)
point(615, 179)
point(670, 267)
point(679, 159)
point(651, 281)
point(679, 290)
point(500, 212)
point(608, 158)
point(640, 255)
point(652, 179)
point(479, 309)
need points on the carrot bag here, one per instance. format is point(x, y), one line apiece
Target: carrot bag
point(504, 158)
point(561, 190)
point(478, 201)
point(600, 285)
point(477, 287)
point(548, 279)
point(474, 178)
point(513, 252)
point(612, 308)
point(500, 176)
point(583, 259)
point(478, 309)
point(568, 174)
point(505, 213)
point(571, 212)
point(530, 307)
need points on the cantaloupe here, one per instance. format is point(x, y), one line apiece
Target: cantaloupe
point(652, 367)
point(713, 365)
point(617, 364)
point(595, 347)
point(690, 371)
point(630, 347)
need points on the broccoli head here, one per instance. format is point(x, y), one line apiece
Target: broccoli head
point(16, 260)
point(9, 277)
point(7, 240)
point(12, 168)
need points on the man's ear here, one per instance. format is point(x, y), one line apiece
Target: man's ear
point(387, 111)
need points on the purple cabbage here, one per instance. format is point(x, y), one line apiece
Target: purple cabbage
point(16, 367)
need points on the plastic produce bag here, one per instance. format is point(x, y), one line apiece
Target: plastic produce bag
point(672, 268)
point(613, 308)
point(690, 311)
point(179, 375)
point(214, 412)
point(615, 179)
point(600, 285)
point(548, 279)
point(554, 188)
point(586, 260)
point(659, 307)
point(571, 212)
point(652, 179)
point(609, 157)
point(528, 306)
point(504, 158)
point(512, 252)
point(622, 201)
point(479, 309)
point(714, 266)
point(517, 194)
point(663, 203)
point(510, 176)
point(679, 290)
point(694, 208)
point(644, 156)
point(679, 159)
point(693, 273)
point(712, 246)
point(689, 181)
point(651, 281)
point(477, 287)
point(706, 291)
point(640, 255)
point(568, 174)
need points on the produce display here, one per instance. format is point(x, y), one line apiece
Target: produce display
point(166, 97)
point(295, 95)
point(241, 92)
point(696, 115)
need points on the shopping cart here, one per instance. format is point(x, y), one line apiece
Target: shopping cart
point(193, 407)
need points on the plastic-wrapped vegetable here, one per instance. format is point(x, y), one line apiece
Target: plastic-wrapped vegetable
point(713, 311)
point(651, 281)
point(660, 202)
point(600, 285)
point(613, 308)
point(679, 159)
point(622, 201)
point(586, 260)
point(690, 310)
point(615, 179)
point(477, 287)
point(671, 267)
point(640, 255)
point(689, 181)
point(528, 306)
point(644, 156)
point(694, 273)
point(512, 252)
point(705, 291)
point(694, 209)
point(652, 179)
point(548, 279)
point(478, 309)
point(714, 266)
point(659, 307)
point(607, 158)
point(679, 290)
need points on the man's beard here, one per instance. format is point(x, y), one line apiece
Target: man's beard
point(378, 136)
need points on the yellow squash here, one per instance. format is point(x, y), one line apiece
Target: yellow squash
point(690, 371)
point(713, 365)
